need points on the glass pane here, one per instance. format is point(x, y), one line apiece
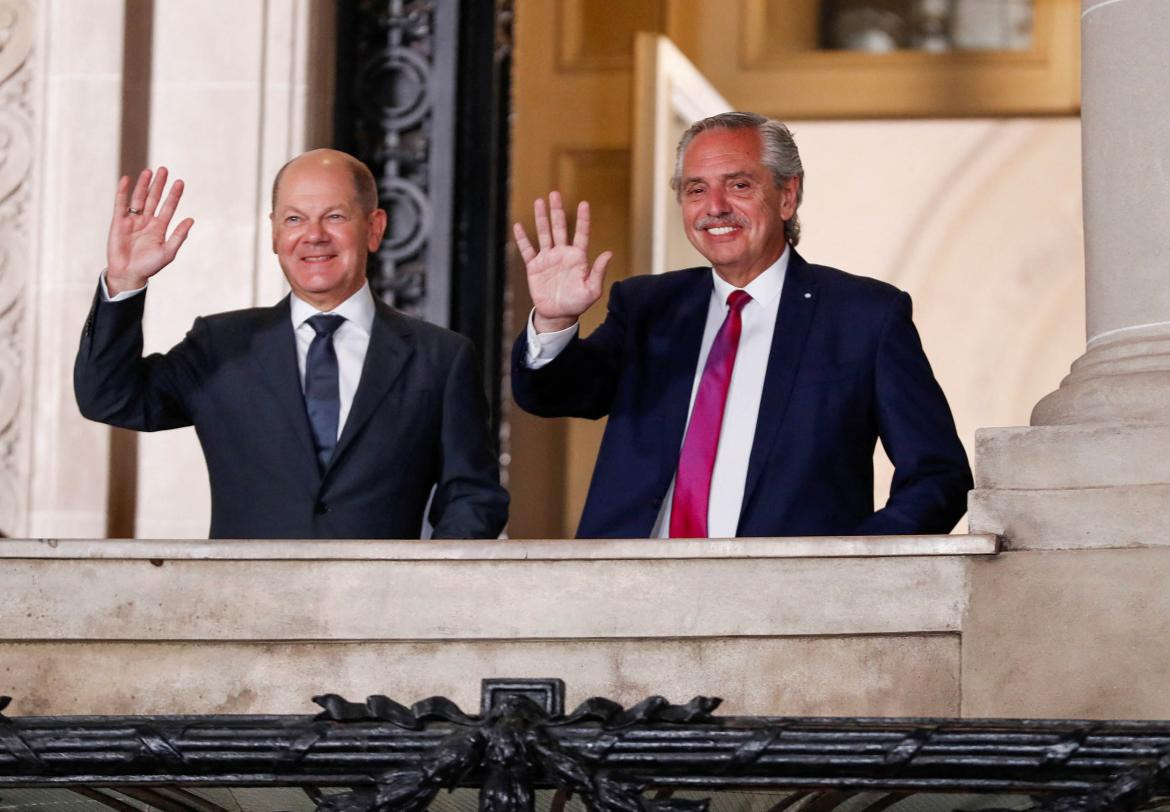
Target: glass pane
point(878, 26)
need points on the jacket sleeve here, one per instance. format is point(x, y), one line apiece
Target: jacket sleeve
point(582, 380)
point(469, 502)
point(115, 384)
point(931, 473)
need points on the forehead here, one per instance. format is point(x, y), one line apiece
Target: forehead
point(722, 152)
point(325, 182)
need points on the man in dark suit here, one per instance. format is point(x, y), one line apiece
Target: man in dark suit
point(744, 399)
point(329, 415)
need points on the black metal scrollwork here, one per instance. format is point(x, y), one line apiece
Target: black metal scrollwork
point(512, 746)
point(392, 756)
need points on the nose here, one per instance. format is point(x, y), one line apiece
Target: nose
point(314, 232)
point(716, 201)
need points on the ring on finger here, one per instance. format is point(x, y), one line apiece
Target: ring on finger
point(133, 211)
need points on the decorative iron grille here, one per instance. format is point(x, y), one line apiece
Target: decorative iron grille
point(652, 757)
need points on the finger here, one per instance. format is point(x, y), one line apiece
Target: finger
point(542, 235)
point(178, 236)
point(138, 196)
point(155, 193)
point(597, 272)
point(557, 215)
point(527, 253)
point(171, 203)
point(581, 233)
point(122, 197)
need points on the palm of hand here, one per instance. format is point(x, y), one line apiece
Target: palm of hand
point(560, 283)
point(138, 245)
point(138, 250)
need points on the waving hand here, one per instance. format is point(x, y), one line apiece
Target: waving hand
point(138, 246)
point(561, 280)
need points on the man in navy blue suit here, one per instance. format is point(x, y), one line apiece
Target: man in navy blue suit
point(744, 399)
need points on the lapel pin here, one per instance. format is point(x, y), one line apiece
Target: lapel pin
point(808, 295)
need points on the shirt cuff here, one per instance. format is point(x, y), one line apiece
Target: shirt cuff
point(543, 348)
point(126, 294)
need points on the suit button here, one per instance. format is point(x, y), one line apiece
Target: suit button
point(321, 508)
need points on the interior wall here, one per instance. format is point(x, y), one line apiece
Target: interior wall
point(978, 219)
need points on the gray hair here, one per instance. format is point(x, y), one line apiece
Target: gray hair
point(777, 152)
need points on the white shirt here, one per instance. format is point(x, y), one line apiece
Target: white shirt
point(350, 340)
point(743, 395)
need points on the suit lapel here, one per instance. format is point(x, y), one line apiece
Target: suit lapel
point(274, 351)
point(798, 300)
point(689, 321)
point(391, 345)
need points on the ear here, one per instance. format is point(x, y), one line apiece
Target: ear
point(272, 223)
point(789, 194)
point(377, 222)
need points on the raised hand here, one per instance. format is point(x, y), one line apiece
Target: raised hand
point(562, 282)
point(138, 246)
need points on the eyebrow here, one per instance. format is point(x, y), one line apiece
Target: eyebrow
point(291, 209)
point(743, 173)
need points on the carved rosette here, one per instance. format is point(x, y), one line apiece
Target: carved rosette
point(17, 30)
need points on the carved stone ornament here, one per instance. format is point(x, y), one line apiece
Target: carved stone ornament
point(17, 30)
point(16, 36)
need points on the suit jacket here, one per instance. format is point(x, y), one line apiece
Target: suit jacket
point(419, 418)
point(846, 368)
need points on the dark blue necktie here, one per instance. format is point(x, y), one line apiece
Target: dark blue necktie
point(322, 398)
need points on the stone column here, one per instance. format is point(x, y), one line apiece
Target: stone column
point(74, 95)
point(1124, 375)
point(1094, 468)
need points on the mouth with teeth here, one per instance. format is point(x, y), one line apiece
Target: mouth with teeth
point(316, 258)
point(720, 226)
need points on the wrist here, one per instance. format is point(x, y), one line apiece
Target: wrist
point(117, 283)
point(554, 325)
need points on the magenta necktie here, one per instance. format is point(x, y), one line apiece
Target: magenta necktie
point(692, 483)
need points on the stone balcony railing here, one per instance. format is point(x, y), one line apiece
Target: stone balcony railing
point(938, 626)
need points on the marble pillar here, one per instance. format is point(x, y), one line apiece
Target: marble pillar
point(75, 99)
point(1124, 375)
point(1093, 470)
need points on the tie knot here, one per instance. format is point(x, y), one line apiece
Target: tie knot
point(325, 324)
point(737, 299)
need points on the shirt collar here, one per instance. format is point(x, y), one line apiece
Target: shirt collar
point(764, 288)
point(358, 309)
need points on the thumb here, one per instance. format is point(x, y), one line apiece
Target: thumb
point(177, 238)
point(597, 272)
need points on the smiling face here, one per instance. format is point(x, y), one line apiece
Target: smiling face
point(732, 210)
point(320, 231)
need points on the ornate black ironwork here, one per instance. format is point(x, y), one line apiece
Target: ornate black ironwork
point(391, 111)
point(392, 756)
point(422, 97)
